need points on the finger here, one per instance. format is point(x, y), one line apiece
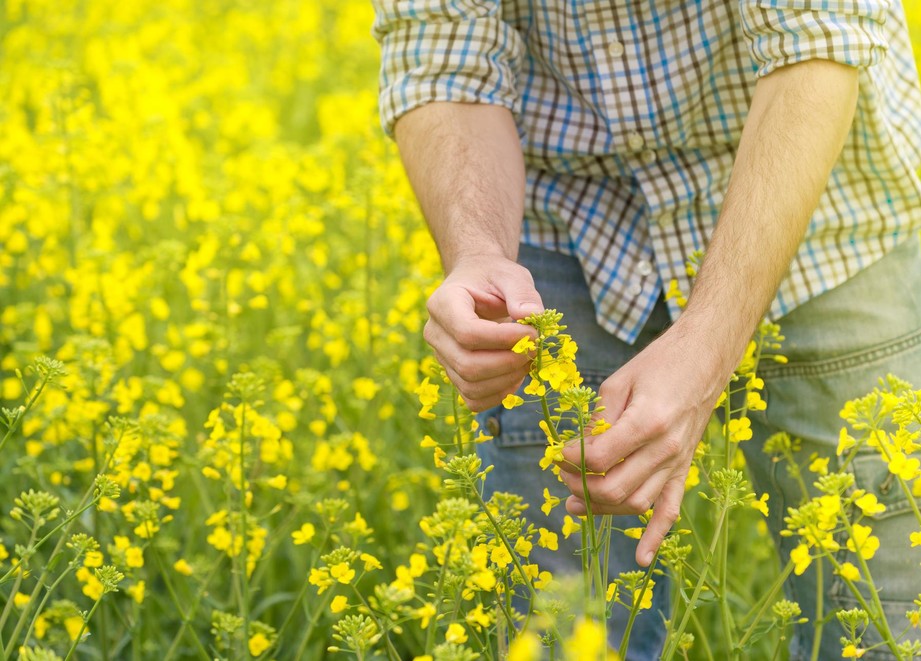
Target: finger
point(635, 471)
point(454, 309)
point(609, 497)
point(609, 448)
point(615, 396)
point(484, 394)
point(474, 366)
point(664, 514)
point(516, 287)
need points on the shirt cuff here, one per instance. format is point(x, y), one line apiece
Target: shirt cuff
point(783, 32)
point(470, 60)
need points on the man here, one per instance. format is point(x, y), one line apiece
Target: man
point(611, 139)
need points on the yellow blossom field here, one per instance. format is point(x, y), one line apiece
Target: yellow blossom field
point(223, 435)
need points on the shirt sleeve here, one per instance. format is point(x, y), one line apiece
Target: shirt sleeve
point(782, 32)
point(444, 50)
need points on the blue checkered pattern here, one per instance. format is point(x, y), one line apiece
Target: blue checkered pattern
point(630, 113)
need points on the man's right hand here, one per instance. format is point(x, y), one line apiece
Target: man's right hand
point(472, 326)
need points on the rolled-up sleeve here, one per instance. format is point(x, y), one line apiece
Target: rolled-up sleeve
point(444, 50)
point(782, 32)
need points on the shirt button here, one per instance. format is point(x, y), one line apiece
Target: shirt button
point(648, 156)
point(634, 290)
point(644, 268)
point(635, 141)
point(615, 49)
point(665, 218)
point(492, 425)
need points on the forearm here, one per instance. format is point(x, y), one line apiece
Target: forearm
point(465, 164)
point(799, 119)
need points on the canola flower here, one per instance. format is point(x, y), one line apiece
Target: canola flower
point(212, 288)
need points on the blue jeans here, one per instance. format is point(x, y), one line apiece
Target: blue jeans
point(838, 345)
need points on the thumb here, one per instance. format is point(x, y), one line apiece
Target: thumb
point(516, 286)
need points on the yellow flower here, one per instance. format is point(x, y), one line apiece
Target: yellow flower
point(549, 540)
point(819, 466)
point(137, 591)
point(611, 592)
point(589, 638)
point(370, 562)
point(646, 600)
point(339, 604)
point(425, 613)
point(511, 401)
point(500, 556)
point(535, 388)
point(321, 579)
point(761, 503)
point(801, 559)
point(134, 557)
point(863, 542)
point(550, 501)
point(845, 441)
point(543, 580)
point(304, 535)
point(342, 572)
point(183, 567)
point(524, 345)
point(693, 478)
point(417, 565)
point(258, 644)
point(915, 538)
point(906, 468)
point(523, 547)
point(20, 599)
point(570, 526)
point(93, 559)
point(478, 618)
point(277, 482)
point(851, 651)
point(634, 533)
point(525, 647)
point(456, 634)
point(869, 504)
point(600, 426)
point(849, 572)
point(73, 624)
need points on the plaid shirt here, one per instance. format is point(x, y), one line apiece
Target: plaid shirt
point(630, 112)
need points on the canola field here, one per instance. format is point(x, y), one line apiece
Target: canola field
point(222, 433)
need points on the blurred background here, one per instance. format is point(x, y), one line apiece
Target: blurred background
point(189, 190)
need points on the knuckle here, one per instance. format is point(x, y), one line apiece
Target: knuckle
point(670, 447)
point(637, 504)
point(615, 494)
point(465, 368)
point(465, 338)
point(670, 511)
point(657, 424)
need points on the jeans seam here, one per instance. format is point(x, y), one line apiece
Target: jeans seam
point(847, 361)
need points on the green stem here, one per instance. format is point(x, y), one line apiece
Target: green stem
point(244, 551)
point(79, 636)
point(430, 634)
point(177, 604)
point(880, 622)
point(692, 603)
point(764, 604)
point(192, 609)
point(634, 609)
point(819, 610)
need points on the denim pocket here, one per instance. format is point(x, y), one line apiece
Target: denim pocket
point(894, 567)
point(519, 427)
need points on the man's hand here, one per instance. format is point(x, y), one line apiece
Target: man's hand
point(658, 405)
point(472, 331)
